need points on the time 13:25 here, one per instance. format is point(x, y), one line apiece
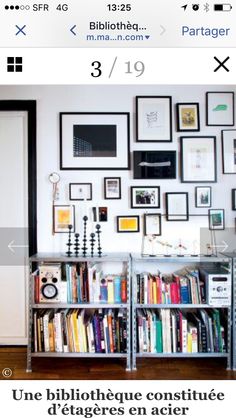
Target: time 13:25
point(119, 7)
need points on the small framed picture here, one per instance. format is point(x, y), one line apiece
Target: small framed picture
point(177, 206)
point(144, 197)
point(63, 216)
point(228, 138)
point(128, 224)
point(80, 191)
point(220, 108)
point(152, 224)
point(188, 119)
point(102, 214)
point(112, 188)
point(154, 164)
point(216, 219)
point(233, 199)
point(203, 197)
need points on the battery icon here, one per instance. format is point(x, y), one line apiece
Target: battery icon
point(224, 7)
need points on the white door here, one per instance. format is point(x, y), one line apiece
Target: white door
point(13, 216)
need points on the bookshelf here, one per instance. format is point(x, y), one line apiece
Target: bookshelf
point(119, 263)
point(147, 264)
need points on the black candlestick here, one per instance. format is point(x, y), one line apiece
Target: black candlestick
point(76, 246)
point(92, 243)
point(69, 243)
point(84, 248)
point(98, 232)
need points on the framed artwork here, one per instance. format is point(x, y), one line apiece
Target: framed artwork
point(177, 206)
point(216, 219)
point(198, 159)
point(127, 223)
point(80, 191)
point(233, 199)
point(94, 141)
point(220, 108)
point(154, 164)
point(112, 188)
point(188, 118)
point(63, 216)
point(229, 151)
point(203, 197)
point(153, 118)
point(144, 197)
point(152, 224)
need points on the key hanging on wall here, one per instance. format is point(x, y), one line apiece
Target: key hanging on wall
point(54, 179)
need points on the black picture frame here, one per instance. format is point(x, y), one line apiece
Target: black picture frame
point(151, 165)
point(128, 230)
point(233, 194)
point(164, 100)
point(221, 226)
point(118, 180)
point(177, 217)
point(220, 93)
point(211, 164)
point(90, 188)
point(142, 205)
point(76, 153)
point(55, 230)
point(148, 216)
point(178, 117)
point(197, 189)
point(228, 141)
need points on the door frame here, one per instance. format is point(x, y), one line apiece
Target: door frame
point(29, 106)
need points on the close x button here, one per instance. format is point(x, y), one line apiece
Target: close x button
point(221, 64)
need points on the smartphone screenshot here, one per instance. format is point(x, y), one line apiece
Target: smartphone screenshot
point(118, 208)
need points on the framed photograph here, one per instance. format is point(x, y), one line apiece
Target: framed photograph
point(153, 118)
point(154, 164)
point(220, 108)
point(152, 224)
point(112, 188)
point(94, 141)
point(63, 216)
point(216, 219)
point(127, 223)
point(198, 159)
point(188, 119)
point(233, 199)
point(177, 206)
point(203, 197)
point(80, 191)
point(144, 197)
point(229, 151)
point(103, 214)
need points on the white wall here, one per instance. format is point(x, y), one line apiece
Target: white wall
point(54, 99)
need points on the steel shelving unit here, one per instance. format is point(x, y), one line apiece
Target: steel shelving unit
point(137, 263)
point(45, 258)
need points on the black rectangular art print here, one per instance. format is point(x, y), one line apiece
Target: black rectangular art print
point(154, 164)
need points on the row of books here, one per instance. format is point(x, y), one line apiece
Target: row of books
point(161, 289)
point(173, 331)
point(80, 331)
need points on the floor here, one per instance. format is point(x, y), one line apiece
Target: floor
point(14, 358)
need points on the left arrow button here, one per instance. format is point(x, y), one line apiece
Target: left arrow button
point(73, 30)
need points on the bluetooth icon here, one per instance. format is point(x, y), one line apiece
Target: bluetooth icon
point(207, 7)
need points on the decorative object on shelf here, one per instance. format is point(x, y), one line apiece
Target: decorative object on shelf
point(92, 243)
point(195, 247)
point(228, 139)
point(76, 245)
point(95, 141)
point(84, 248)
point(216, 219)
point(80, 191)
point(177, 206)
point(153, 118)
point(198, 159)
point(180, 247)
point(154, 164)
point(127, 223)
point(220, 108)
point(103, 214)
point(152, 240)
point(203, 197)
point(98, 232)
point(69, 243)
point(152, 224)
point(188, 119)
point(112, 188)
point(145, 197)
point(167, 247)
point(63, 215)
point(233, 199)
point(209, 250)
